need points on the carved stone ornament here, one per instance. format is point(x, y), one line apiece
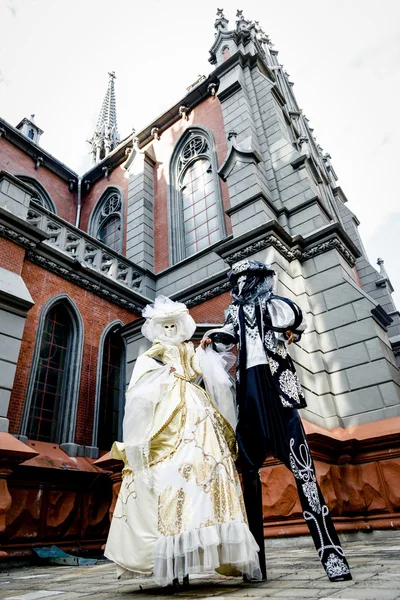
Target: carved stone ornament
point(212, 89)
point(16, 237)
point(38, 161)
point(286, 252)
point(183, 111)
point(155, 132)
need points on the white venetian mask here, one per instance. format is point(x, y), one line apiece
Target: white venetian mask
point(170, 330)
point(241, 283)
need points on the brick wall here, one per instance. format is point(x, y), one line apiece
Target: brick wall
point(11, 256)
point(96, 314)
point(209, 115)
point(212, 311)
point(17, 162)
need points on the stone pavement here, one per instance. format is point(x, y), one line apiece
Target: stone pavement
point(293, 570)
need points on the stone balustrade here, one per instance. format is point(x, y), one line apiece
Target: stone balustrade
point(84, 248)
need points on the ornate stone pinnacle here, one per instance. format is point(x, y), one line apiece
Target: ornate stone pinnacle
point(221, 22)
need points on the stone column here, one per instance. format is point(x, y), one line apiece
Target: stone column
point(140, 219)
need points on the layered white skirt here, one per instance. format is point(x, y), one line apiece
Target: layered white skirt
point(192, 518)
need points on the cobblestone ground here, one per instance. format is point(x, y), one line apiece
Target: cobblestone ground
point(293, 572)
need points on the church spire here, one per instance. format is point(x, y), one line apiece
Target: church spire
point(106, 137)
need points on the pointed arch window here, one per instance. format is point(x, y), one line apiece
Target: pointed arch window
point(110, 390)
point(197, 218)
point(50, 408)
point(106, 220)
point(42, 197)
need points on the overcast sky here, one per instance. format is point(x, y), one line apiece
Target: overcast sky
point(343, 56)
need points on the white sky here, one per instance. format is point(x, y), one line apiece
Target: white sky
point(343, 56)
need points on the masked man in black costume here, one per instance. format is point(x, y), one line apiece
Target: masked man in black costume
point(269, 394)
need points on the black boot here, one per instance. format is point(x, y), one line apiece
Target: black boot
point(252, 495)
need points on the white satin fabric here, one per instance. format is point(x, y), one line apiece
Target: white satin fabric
point(188, 516)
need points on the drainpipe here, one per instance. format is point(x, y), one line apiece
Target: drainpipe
point(79, 204)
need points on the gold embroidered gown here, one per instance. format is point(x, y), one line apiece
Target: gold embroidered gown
point(182, 513)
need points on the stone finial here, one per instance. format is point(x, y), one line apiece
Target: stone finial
point(155, 132)
point(242, 24)
point(221, 22)
point(382, 269)
point(183, 111)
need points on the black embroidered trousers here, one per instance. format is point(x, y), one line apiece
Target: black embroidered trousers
point(264, 427)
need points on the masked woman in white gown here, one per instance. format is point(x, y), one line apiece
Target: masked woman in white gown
point(180, 509)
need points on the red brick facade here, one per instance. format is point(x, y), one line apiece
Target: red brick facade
point(212, 311)
point(96, 315)
point(207, 114)
point(17, 162)
point(11, 256)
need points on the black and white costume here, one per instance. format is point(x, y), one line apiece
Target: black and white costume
point(269, 394)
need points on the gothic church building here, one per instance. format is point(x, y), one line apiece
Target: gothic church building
point(232, 170)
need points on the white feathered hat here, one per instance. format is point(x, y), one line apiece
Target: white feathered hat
point(165, 310)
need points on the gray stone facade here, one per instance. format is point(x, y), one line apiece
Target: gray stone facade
point(280, 182)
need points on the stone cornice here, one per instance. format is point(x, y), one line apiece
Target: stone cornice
point(296, 248)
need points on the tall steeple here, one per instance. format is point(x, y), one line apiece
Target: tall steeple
point(106, 137)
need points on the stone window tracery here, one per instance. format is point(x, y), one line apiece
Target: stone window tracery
point(197, 214)
point(106, 221)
